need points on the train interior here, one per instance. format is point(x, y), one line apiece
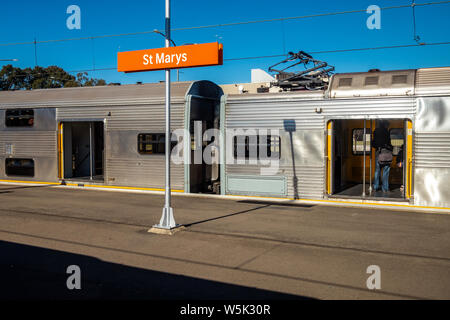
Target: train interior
point(205, 115)
point(352, 168)
point(82, 152)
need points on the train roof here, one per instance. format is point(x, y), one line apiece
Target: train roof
point(111, 94)
point(375, 83)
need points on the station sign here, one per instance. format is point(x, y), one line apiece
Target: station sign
point(188, 56)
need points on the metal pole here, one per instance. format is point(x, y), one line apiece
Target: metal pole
point(90, 151)
point(364, 161)
point(167, 220)
point(370, 173)
point(35, 53)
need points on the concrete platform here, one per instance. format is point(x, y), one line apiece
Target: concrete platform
point(229, 249)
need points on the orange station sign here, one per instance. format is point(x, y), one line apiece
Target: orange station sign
point(188, 56)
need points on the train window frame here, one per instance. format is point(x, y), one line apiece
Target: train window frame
point(159, 141)
point(273, 146)
point(20, 119)
point(30, 175)
point(369, 145)
point(396, 152)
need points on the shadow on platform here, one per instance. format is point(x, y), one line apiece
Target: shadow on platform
point(33, 273)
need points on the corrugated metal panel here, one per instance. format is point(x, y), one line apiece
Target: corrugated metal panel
point(433, 81)
point(387, 107)
point(432, 150)
point(271, 113)
point(88, 96)
point(29, 144)
point(130, 117)
point(143, 172)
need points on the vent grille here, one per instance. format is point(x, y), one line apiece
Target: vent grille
point(371, 81)
point(400, 79)
point(345, 82)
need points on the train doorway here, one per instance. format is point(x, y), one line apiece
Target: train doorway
point(352, 166)
point(204, 177)
point(81, 153)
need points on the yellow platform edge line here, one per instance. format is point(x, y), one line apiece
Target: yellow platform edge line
point(86, 185)
point(242, 196)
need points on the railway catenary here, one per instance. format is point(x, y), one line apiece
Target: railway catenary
point(112, 136)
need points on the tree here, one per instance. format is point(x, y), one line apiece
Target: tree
point(12, 78)
point(84, 81)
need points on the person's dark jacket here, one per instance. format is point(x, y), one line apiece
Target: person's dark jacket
point(381, 139)
point(400, 155)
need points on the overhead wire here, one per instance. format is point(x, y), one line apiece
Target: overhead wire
point(311, 52)
point(412, 5)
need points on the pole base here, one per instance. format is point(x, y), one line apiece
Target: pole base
point(158, 230)
point(167, 224)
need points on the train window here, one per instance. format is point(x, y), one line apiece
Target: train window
point(153, 143)
point(358, 141)
point(19, 167)
point(371, 81)
point(345, 82)
point(19, 118)
point(266, 147)
point(397, 140)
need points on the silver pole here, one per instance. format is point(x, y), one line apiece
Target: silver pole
point(167, 220)
point(364, 155)
point(90, 151)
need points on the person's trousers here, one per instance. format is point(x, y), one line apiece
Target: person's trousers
point(384, 176)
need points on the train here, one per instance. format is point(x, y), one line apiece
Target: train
point(113, 137)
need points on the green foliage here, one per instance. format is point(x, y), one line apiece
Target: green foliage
point(12, 78)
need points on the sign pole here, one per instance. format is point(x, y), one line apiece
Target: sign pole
point(167, 219)
point(167, 58)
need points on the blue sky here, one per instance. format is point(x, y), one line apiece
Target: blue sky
point(24, 20)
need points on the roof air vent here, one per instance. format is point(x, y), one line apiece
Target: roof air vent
point(345, 82)
point(399, 79)
point(371, 81)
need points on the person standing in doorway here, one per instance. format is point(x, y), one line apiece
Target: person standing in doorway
point(381, 142)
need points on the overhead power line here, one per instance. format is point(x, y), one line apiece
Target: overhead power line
point(227, 24)
point(310, 16)
point(311, 52)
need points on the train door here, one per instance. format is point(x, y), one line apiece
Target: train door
point(204, 115)
point(81, 150)
point(351, 164)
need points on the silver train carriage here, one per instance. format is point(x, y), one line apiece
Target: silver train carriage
point(113, 136)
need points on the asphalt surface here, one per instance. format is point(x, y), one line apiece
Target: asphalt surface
point(231, 249)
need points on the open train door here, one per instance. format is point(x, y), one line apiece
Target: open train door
point(351, 161)
point(81, 150)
